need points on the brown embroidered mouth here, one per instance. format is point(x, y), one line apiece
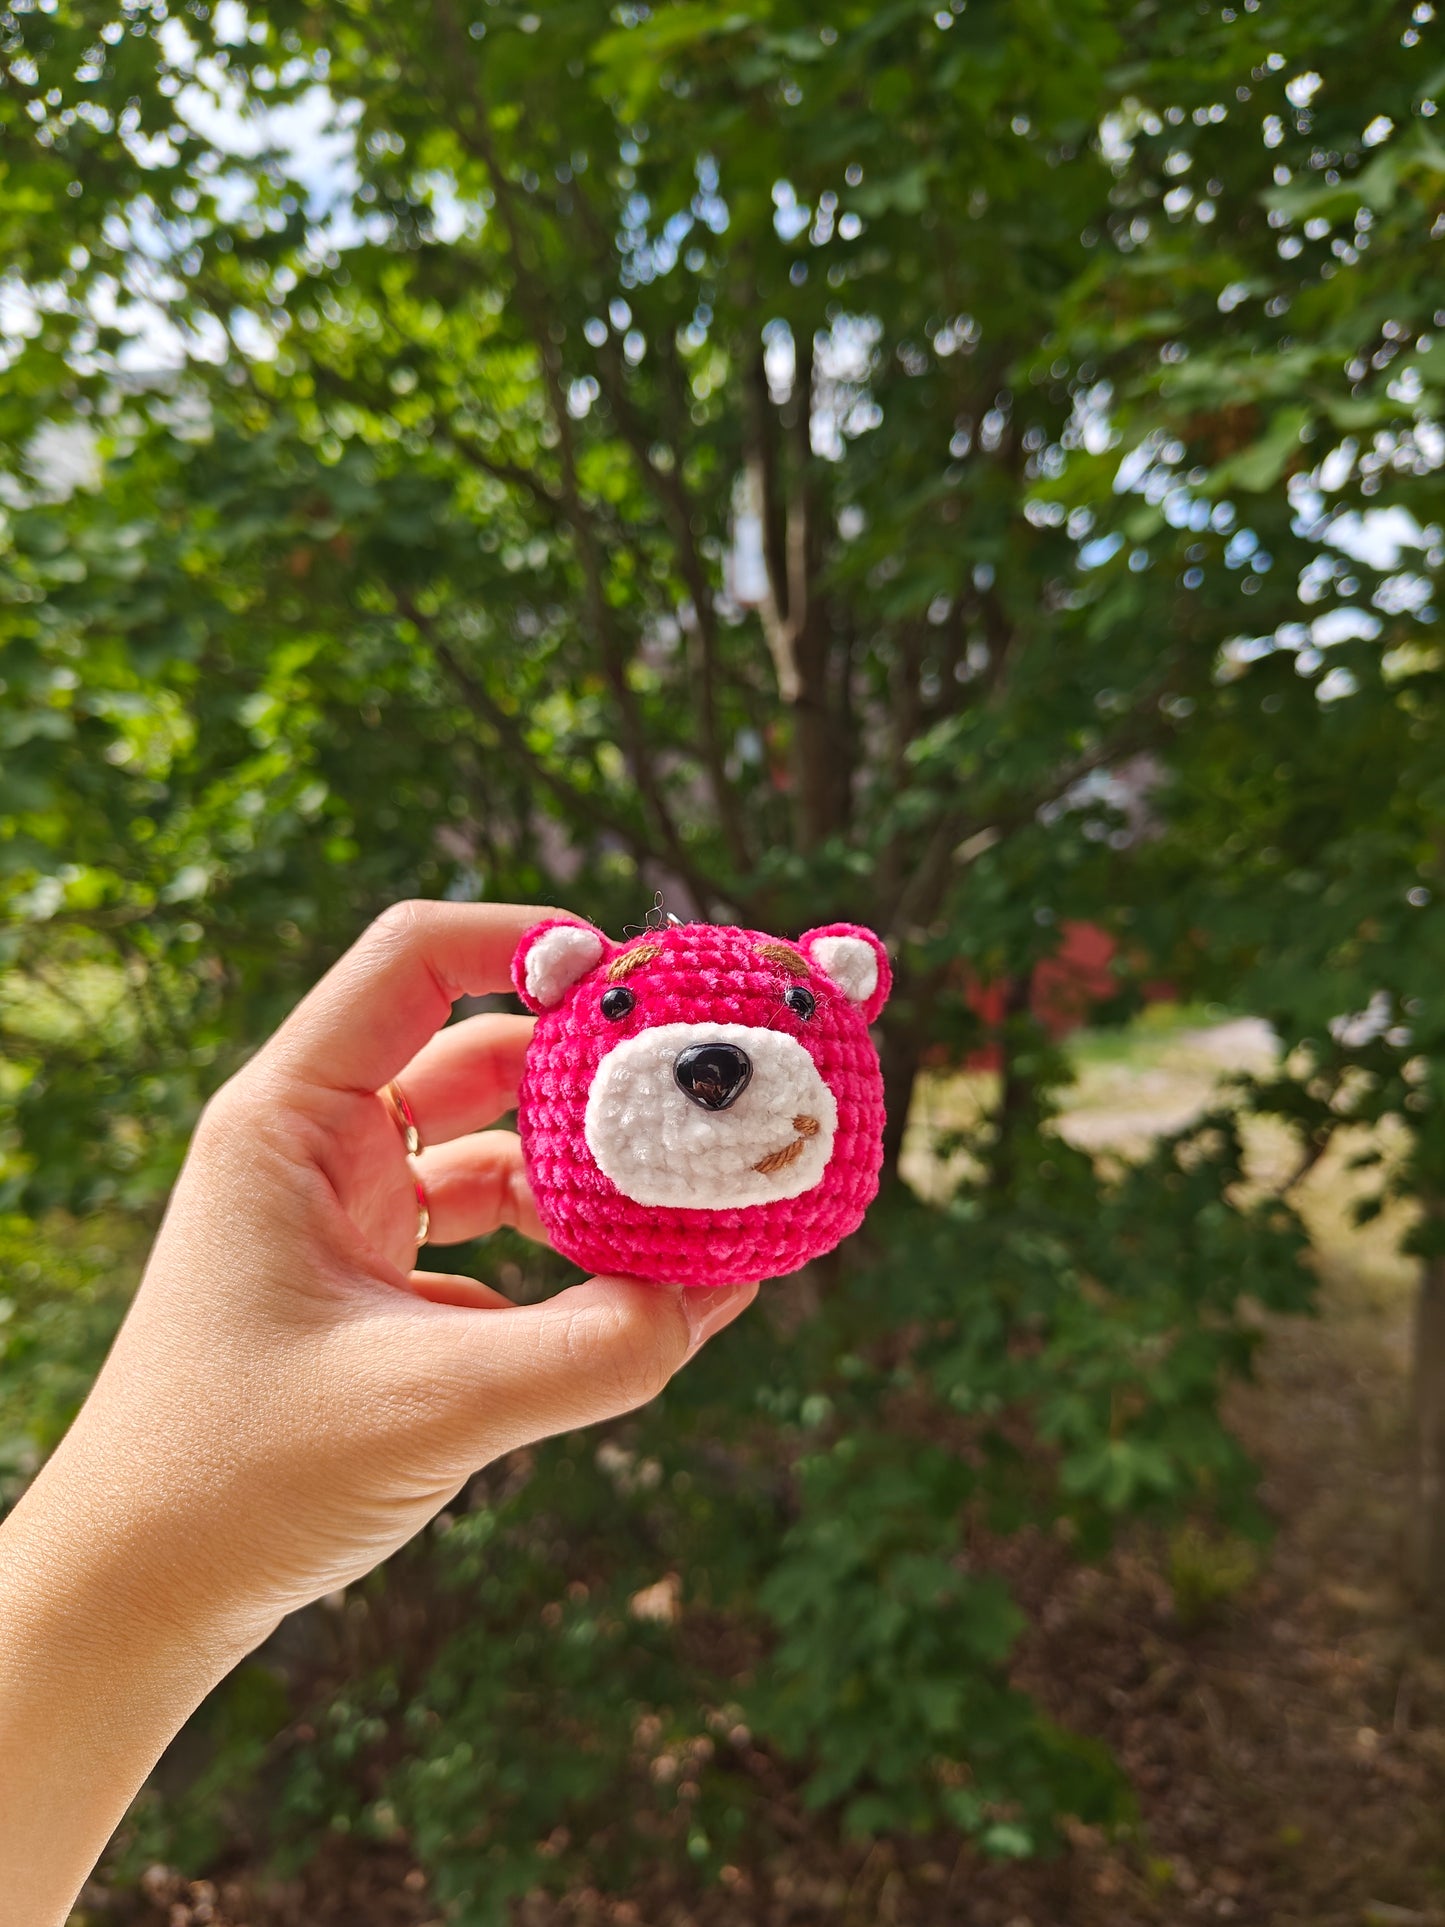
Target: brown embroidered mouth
point(776, 1161)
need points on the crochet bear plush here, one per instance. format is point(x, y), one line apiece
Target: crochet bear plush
point(702, 1105)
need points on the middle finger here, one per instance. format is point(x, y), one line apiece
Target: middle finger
point(475, 1185)
point(466, 1076)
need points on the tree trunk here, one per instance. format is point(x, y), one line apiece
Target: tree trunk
point(818, 757)
point(899, 1051)
point(1427, 1525)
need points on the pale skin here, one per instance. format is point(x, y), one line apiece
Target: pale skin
point(289, 1399)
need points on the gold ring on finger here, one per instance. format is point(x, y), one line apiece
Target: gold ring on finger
point(403, 1117)
point(423, 1209)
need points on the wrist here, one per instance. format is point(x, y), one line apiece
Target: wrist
point(115, 1567)
point(107, 1645)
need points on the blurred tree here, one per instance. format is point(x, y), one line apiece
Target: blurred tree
point(876, 467)
point(627, 412)
point(1286, 418)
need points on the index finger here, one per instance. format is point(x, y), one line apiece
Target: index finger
point(395, 987)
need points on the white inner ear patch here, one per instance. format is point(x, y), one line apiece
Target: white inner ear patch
point(558, 958)
point(659, 1147)
point(850, 962)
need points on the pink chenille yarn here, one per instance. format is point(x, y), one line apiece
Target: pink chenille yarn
point(701, 975)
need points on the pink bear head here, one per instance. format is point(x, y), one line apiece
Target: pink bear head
point(702, 1105)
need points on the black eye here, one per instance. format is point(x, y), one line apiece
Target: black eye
point(617, 1001)
point(801, 1002)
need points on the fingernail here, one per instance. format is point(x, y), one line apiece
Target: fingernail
point(708, 1309)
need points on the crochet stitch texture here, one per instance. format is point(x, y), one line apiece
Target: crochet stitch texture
point(776, 1163)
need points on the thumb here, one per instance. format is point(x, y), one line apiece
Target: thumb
point(595, 1351)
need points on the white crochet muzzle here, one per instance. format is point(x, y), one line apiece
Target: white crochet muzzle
point(660, 1147)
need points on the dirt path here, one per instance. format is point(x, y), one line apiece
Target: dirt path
point(1289, 1758)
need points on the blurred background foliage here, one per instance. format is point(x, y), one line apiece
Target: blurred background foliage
point(969, 468)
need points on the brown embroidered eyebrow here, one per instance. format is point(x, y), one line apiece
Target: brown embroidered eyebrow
point(793, 961)
point(629, 960)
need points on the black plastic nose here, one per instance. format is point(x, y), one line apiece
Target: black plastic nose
point(713, 1075)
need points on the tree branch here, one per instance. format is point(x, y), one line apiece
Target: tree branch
point(930, 875)
point(588, 810)
point(670, 490)
point(793, 613)
point(1317, 1145)
point(614, 654)
point(511, 475)
point(802, 508)
point(762, 470)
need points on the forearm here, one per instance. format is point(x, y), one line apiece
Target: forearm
point(107, 1645)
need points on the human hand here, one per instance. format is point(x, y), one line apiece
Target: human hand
point(298, 1396)
point(288, 1400)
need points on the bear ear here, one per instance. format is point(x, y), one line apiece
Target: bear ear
point(855, 960)
point(552, 957)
